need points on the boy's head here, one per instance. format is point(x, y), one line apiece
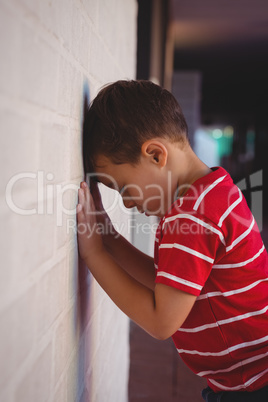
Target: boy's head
point(124, 115)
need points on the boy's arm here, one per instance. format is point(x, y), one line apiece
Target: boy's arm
point(139, 265)
point(160, 312)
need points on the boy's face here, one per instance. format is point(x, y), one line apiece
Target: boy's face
point(146, 186)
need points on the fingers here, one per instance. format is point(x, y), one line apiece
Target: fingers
point(85, 202)
point(83, 193)
point(80, 205)
point(81, 196)
point(87, 197)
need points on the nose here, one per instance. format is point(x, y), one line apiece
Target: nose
point(128, 203)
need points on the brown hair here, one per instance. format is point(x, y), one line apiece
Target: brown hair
point(124, 115)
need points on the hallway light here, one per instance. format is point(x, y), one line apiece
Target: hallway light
point(217, 133)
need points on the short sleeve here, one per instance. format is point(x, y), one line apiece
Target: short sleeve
point(186, 249)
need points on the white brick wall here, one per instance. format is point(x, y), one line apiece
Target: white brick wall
point(61, 338)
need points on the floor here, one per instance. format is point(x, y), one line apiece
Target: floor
point(157, 374)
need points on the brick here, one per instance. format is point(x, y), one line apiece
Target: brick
point(9, 50)
point(24, 234)
point(65, 230)
point(7, 276)
point(79, 276)
point(63, 346)
point(17, 129)
point(7, 394)
point(27, 7)
point(55, 17)
point(81, 36)
point(29, 232)
point(67, 338)
point(35, 386)
point(51, 297)
point(17, 324)
point(54, 137)
point(66, 76)
point(65, 214)
point(107, 27)
point(97, 57)
point(73, 393)
point(76, 159)
point(92, 10)
point(38, 81)
point(61, 392)
point(64, 22)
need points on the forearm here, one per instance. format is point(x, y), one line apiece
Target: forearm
point(137, 264)
point(133, 298)
point(160, 311)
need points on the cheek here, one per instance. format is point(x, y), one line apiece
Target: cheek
point(134, 193)
point(154, 199)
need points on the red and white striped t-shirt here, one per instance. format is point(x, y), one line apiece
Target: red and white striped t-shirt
point(209, 245)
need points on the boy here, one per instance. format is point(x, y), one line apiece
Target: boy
point(207, 286)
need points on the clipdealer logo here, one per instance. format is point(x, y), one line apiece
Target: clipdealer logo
point(45, 191)
point(49, 197)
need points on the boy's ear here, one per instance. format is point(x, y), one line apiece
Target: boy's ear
point(156, 151)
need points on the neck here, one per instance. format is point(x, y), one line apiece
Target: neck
point(194, 169)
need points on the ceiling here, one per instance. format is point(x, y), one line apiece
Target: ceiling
point(210, 22)
point(227, 41)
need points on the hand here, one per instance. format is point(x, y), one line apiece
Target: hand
point(101, 215)
point(88, 231)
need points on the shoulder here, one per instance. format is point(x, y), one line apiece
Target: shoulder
point(216, 194)
point(209, 196)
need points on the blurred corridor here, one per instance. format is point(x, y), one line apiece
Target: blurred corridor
point(214, 59)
